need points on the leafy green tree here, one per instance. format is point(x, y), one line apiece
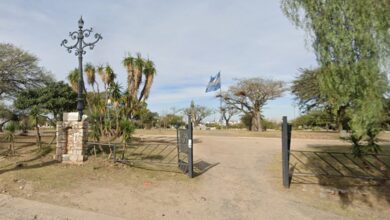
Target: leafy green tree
point(128, 129)
point(94, 132)
point(314, 118)
point(35, 114)
point(147, 118)
point(19, 70)
point(56, 98)
point(250, 95)
point(6, 114)
point(351, 41)
point(171, 120)
point(270, 124)
point(227, 113)
point(306, 89)
point(198, 113)
point(246, 120)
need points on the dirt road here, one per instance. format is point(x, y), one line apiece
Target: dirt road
point(242, 185)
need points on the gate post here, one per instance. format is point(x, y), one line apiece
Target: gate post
point(190, 150)
point(286, 141)
point(114, 152)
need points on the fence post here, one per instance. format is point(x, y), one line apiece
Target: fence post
point(177, 144)
point(190, 150)
point(286, 136)
point(114, 153)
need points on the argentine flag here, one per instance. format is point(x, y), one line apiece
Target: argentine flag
point(215, 83)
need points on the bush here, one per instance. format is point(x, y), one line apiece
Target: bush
point(313, 119)
point(270, 124)
point(246, 120)
point(128, 129)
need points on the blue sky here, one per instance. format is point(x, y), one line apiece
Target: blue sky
point(188, 40)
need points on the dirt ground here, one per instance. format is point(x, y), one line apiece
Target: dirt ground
point(244, 183)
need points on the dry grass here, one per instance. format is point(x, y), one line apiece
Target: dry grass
point(32, 173)
point(345, 196)
point(35, 175)
point(245, 133)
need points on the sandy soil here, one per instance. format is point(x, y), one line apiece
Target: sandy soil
point(245, 183)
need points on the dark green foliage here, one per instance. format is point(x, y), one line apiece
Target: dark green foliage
point(94, 128)
point(270, 124)
point(6, 114)
point(148, 119)
point(313, 119)
point(246, 120)
point(128, 128)
point(386, 116)
point(9, 135)
point(56, 98)
point(171, 120)
point(352, 45)
point(306, 89)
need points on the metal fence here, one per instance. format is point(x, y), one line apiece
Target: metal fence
point(185, 149)
point(171, 154)
point(330, 164)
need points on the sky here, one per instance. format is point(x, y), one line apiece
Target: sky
point(189, 41)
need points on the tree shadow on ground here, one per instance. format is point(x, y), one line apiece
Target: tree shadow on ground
point(24, 164)
point(366, 179)
point(21, 166)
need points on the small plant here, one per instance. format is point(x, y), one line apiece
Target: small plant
point(95, 132)
point(128, 129)
point(10, 129)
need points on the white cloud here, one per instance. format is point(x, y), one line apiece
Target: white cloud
point(188, 40)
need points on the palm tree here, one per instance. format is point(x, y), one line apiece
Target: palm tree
point(115, 90)
point(128, 62)
point(90, 72)
point(107, 76)
point(139, 66)
point(128, 129)
point(73, 78)
point(150, 72)
point(102, 73)
point(110, 75)
point(95, 131)
point(10, 136)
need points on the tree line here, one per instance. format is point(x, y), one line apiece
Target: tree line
point(347, 91)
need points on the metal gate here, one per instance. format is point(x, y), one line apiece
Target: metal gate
point(185, 149)
point(330, 164)
point(168, 154)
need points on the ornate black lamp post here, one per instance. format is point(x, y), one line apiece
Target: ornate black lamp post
point(79, 51)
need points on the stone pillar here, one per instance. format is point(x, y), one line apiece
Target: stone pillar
point(72, 137)
point(61, 140)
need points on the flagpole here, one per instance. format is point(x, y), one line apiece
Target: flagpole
point(220, 98)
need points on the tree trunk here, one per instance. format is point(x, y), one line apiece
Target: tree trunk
point(2, 124)
point(117, 123)
point(256, 122)
point(12, 146)
point(340, 116)
point(38, 136)
point(227, 122)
